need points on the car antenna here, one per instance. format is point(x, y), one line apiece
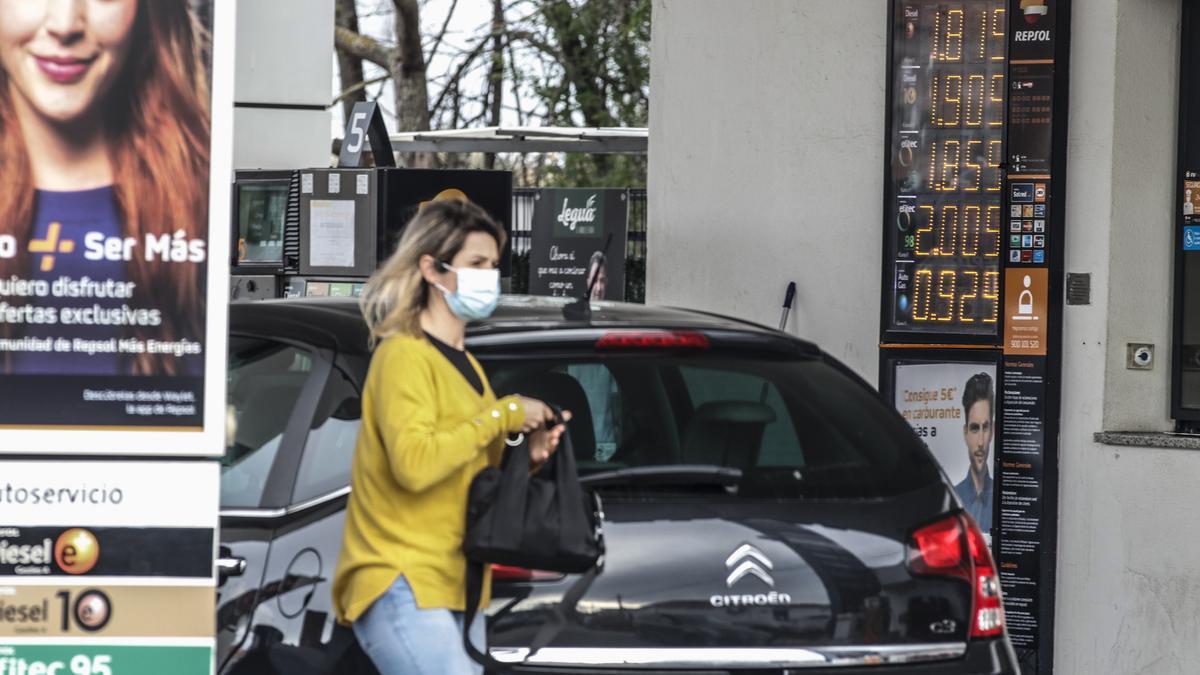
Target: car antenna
point(788, 297)
point(581, 309)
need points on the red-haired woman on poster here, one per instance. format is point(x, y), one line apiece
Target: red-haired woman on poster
point(104, 156)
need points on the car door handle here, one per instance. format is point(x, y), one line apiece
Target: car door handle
point(230, 567)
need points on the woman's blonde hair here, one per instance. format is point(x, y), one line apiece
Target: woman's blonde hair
point(396, 293)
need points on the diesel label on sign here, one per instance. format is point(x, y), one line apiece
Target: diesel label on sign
point(112, 611)
point(19, 555)
point(106, 551)
point(23, 618)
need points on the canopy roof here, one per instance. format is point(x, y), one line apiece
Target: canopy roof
point(602, 140)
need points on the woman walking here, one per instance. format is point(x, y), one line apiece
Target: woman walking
point(430, 423)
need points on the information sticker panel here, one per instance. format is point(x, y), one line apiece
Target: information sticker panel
point(944, 222)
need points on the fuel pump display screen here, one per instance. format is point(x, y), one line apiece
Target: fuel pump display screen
point(944, 223)
point(262, 207)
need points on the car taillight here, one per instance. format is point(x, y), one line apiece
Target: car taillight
point(989, 608)
point(657, 339)
point(510, 573)
point(954, 547)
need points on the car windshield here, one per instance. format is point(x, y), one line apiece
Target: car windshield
point(734, 424)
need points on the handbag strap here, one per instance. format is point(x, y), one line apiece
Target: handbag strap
point(475, 573)
point(547, 632)
point(563, 610)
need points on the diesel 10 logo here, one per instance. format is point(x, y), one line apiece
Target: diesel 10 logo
point(29, 612)
point(74, 551)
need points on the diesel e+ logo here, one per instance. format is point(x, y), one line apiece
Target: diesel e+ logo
point(77, 551)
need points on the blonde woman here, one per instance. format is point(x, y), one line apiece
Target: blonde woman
point(430, 423)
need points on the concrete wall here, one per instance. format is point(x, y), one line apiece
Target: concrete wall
point(281, 86)
point(1141, 236)
point(766, 164)
point(1127, 597)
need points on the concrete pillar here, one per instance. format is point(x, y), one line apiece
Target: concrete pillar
point(766, 164)
point(282, 84)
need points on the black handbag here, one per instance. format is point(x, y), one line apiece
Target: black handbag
point(543, 521)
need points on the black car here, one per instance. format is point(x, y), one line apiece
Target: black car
point(764, 509)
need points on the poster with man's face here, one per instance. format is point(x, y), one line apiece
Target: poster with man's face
point(951, 406)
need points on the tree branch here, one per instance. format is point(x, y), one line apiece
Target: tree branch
point(458, 73)
point(366, 48)
point(536, 42)
point(516, 84)
point(351, 91)
point(442, 33)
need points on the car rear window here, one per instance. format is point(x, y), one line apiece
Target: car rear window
point(778, 427)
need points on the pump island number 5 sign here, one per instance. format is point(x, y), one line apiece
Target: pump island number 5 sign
point(106, 260)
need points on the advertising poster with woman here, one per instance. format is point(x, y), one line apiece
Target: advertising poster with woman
point(952, 407)
point(108, 318)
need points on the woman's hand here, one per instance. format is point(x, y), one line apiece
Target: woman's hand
point(543, 442)
point(537, 414)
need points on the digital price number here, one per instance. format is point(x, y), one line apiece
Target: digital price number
point(945, 226)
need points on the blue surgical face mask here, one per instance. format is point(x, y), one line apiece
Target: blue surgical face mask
point(477, 295)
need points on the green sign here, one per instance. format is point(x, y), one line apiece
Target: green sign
point(578, 213)
point(102, 660)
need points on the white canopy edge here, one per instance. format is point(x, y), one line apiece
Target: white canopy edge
point(598, 140)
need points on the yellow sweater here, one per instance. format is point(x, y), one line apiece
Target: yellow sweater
point(425, 433)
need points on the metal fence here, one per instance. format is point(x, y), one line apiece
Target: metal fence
point(524, 200)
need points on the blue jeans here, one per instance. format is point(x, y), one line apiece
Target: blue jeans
point(403, 639)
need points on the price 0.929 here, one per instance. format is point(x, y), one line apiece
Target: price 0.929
point(951, 295)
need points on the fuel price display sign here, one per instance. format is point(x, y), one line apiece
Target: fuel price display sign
point(944, 211)
point(973, 268)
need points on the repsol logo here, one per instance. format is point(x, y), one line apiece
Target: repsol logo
point(1032, 36)
point(748, 600)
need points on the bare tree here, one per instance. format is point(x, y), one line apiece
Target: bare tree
point(350, 67)
point(555, 62)
point(404, 63)
point(496, 77)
